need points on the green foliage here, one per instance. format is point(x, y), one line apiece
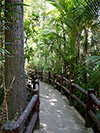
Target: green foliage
point(12, 13)
point(1, 95)
point(28, 52)
point(57, 40)
point(98, 114)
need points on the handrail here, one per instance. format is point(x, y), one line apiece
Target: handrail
point(26, 112)
point(90, 97)
point(95, 119)
point(79, 101)
point(32, 107)
point(66, 80)
point(79, 88)
point(59, 76)
point(95, 100)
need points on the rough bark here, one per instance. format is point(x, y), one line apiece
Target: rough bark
point(79, 48)
point(1, 45)
point(86, 51)
point(86, 41)
point(0, 30)
point(14, 64)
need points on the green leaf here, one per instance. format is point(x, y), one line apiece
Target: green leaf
point(4, 51)
point(1, 50)
point(92, 58)
point(98, 114)
point(60, 51)
point(14, 39)
point(6, 43)
point(12, 17)
point(11, 49)
point(16, 12)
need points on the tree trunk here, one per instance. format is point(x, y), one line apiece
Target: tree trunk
point(86, 41)
point(79, 48)
point(1, 45)
point(14, 64)
point(0, 33)
point(64, 39)
point(86, 52)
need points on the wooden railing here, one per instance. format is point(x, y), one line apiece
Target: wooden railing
point(91, 100)
point(32, 108)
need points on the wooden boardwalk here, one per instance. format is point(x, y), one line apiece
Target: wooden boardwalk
point(56, 116)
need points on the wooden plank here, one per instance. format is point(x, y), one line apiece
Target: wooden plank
point(32, 123)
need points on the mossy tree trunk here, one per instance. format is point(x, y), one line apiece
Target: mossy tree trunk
point(14, 64)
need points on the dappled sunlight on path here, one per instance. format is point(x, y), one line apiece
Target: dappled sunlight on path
point(55, 114)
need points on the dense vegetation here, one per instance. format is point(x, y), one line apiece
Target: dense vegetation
point(61, 36)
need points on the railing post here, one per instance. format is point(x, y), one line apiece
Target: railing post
point(37, 109)
point(37, 106)
point(42, 75)
point(49, 77)
point(35, 71)
point(62, 83)
point(89, 107)
point(71, 92)
point(54, 80)
point(11, 127)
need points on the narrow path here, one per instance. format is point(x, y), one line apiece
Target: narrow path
point(55, 114)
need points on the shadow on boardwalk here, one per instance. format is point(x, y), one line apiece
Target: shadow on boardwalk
point(55, 114)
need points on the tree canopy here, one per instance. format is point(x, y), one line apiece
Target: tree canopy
point(64, 37)
point(60, 36)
